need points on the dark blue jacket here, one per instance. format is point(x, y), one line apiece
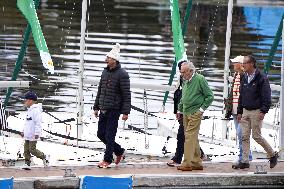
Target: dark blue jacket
point(114, 91)
point(256, 94)
point(177, 96)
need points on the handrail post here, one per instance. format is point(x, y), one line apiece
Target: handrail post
point(281, 132)
point(80, 103)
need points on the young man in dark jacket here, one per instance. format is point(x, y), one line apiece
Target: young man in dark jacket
point(254, 103)
point(113, 98)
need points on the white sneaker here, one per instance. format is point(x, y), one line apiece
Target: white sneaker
point(26, 167)
point(46, 161)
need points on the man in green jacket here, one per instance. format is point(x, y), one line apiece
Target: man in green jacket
point(196, 98)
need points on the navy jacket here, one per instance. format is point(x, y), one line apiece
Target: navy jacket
point(177, 96)
point(256, 94)
point(114, 91)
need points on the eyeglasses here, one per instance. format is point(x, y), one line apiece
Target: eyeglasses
point(246, 62)
point(185, 72)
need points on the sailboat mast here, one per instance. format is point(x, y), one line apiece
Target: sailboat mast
point(226, 65)
point(80, 101)
point(228, 48)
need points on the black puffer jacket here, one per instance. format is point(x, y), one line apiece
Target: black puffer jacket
point(114, 91)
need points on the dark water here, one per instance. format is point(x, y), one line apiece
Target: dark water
point(143, 28)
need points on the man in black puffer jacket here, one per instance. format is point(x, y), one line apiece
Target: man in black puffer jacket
point(113, 98)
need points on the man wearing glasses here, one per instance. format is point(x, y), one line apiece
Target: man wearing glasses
point(254, 103)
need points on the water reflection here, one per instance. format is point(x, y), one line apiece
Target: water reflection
point(144, 31)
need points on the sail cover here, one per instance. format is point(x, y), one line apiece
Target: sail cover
point(27, 8)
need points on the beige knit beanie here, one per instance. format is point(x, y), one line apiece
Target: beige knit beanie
point(114, 53)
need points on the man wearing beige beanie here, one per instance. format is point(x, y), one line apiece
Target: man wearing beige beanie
point(113, 98)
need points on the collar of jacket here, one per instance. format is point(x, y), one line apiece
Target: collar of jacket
point(256, 73)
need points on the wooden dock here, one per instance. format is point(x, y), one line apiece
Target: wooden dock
point(153, 175)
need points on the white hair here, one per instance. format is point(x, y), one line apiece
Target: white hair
point(190, 65)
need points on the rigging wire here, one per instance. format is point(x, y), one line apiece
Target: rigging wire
point(257, 33)
point(210, 33)
point(106, 18)
point(195, 47)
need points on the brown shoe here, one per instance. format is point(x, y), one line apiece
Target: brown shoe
point(197, 167)
point(120, 158)
point(183, 168)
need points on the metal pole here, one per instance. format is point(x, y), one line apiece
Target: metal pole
point(226, 65)
point(186, 17)
point(22, 84)
point(80, 103)
point(274, 46)
point(228, 47)
point(281, 133)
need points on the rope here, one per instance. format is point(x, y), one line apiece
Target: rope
point(59, 120)
point(138, 130)
point(142, 111)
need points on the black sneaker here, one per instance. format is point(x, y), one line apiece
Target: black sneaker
point(273, 160)
point(240, 165)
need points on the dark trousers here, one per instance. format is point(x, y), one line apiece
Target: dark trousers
point(180, 144)
point(107, 128)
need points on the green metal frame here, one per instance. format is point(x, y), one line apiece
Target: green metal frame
point(274, 47)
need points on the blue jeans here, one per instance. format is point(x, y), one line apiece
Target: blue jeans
point(239, 136)
point(107, 128)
